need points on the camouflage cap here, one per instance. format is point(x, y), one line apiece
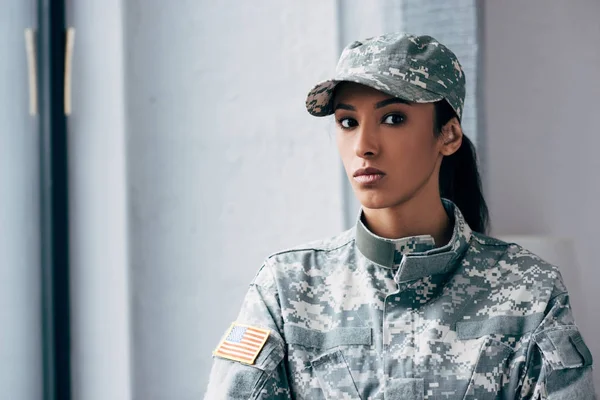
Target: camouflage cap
point(415, 68)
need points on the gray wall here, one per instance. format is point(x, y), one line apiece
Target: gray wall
point(542, 85)
point(20, 300)
point(98, 205)
point(224, 167)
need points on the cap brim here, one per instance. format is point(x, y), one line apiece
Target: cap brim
point(319, 101)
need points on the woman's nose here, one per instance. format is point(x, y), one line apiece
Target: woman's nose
point(366, 144)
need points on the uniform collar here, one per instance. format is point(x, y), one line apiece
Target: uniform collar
point(416, 256)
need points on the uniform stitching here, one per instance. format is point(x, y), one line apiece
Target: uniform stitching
point(313, 248)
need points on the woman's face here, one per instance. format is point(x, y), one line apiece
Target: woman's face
point(381, 132)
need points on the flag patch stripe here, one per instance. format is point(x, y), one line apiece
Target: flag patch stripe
point(236, 353)
point(242, 346)
point(226, 347)
point(251, 340)
point(253, 336)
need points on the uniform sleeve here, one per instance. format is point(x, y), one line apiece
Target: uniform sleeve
point(267, 377)
point(559, 364)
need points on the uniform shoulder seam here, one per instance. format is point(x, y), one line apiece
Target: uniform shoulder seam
point(311, 248)
point(489, 241)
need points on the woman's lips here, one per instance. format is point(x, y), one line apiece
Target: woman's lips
point(368, 178)
point(368, 175)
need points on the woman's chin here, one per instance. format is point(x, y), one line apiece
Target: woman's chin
point(378, 201)
point(375, 203)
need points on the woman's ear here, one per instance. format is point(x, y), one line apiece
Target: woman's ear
point(451, 137)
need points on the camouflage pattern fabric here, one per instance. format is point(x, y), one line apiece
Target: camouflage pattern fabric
point(415, 68)
point(357, 316)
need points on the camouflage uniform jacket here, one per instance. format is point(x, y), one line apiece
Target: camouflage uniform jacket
point(358, 316)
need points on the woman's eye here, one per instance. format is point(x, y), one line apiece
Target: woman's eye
point(394, 119)
point(347, 123)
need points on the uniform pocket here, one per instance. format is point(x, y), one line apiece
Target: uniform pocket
point(334, 376)
point(490, 371)
point(318, 357)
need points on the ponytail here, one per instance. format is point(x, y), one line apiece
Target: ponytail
point(459, 176)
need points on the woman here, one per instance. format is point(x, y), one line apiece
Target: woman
point(414, 302)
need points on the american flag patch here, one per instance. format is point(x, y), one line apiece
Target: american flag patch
point(242, 343)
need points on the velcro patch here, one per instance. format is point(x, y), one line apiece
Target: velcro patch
point(242, 343)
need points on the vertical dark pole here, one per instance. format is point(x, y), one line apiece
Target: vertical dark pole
point(54, 200)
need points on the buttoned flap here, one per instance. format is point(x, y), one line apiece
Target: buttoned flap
point(324, 340)
point(563, 347)
point(334, 376)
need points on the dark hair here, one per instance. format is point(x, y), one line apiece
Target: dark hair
point(459, 175)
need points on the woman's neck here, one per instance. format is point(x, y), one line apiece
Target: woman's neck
point(412, 218)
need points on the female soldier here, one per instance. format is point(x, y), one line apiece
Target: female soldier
point(414, 302)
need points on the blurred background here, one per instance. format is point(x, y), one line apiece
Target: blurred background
point(150, 162)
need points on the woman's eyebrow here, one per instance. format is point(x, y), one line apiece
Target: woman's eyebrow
point(383, 103)
point(344, 107)
point(392, 100)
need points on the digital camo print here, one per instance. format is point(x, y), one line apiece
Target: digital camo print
point(475, 319)
point(415, 68)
